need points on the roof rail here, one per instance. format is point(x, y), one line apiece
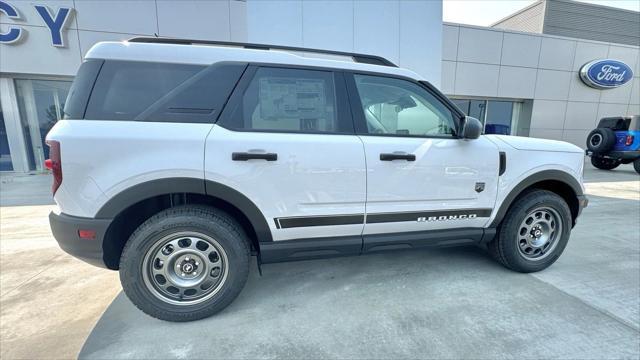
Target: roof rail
point(359, 58)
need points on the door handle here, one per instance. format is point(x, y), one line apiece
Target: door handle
point(244, 156)
point(397, 156)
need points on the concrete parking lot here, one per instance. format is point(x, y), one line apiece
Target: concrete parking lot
point(432, 303)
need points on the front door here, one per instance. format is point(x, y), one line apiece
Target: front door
point(286, 141)
point(420, 175)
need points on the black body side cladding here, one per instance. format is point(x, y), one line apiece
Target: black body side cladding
point(545, 175)
point(147, 190)
point(304, 249)
point(65, 231)
point(409, 240)
point(167, 186)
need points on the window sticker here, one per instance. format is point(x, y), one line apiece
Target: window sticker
point(292, 98)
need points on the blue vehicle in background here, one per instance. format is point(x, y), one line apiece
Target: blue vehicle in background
point(616, 141)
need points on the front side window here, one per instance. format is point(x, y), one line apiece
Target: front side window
point(289, 100)
point(399, 107)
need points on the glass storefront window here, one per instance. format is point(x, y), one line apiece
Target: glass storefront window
point(473, 108)
point(40, 103)
point(5, 152)
point(497, 116)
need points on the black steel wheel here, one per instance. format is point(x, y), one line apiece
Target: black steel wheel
point(185, 263)
point(533, 233)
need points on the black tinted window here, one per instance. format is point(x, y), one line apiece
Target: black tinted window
point(76, 102)
point(124, 89)
point(289, 100)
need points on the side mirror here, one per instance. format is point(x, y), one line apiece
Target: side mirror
point(471, 128)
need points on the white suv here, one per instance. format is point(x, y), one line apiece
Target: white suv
point(177, 160)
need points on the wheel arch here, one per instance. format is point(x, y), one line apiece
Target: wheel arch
point(132, 206)
point(557, 181)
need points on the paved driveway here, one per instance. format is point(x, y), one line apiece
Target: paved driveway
point(442, 303)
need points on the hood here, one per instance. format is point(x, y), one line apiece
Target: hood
point(534, 144)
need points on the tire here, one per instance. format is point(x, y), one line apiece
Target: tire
point(199, 251)
point(604, 164)
point(601, 140)
point(636, 165)
point(508, 246)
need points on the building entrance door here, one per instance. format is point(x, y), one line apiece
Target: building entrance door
point(5, 152)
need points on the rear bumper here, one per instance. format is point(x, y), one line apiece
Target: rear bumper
point(65, 230)
point(618, 155)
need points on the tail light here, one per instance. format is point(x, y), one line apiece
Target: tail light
point(54, 163)
point(629, 140)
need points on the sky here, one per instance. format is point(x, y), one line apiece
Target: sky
point(486, 12)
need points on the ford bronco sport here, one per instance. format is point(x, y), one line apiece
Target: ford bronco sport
point(177, 160)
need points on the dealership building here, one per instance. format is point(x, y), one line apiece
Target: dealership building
point(521, 76)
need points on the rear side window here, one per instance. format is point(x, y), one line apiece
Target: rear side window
point(289, 100)
point(125, 89)
point(76, 102)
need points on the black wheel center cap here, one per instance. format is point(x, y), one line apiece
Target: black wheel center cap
point(188, 267)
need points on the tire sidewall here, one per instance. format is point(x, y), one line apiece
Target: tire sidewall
point(607, 140)
point(604, 164)
point(511, 226)
point(157, 228)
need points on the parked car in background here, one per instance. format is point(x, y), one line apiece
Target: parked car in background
point(615, 141)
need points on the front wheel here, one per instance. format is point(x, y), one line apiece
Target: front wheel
point(185, 263)
point(604, 164)
point(636, 165)
point(533, 233)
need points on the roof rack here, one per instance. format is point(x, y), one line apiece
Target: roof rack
point(359, 58)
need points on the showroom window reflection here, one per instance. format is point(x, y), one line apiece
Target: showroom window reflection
point(41, 104)
point(504, 117)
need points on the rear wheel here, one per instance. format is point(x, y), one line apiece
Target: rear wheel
point(636, 165)
point(604, 164)
point(185, 263)
point(534, 232)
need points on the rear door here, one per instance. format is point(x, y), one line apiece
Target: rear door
point(286, 141)
point(420, 175)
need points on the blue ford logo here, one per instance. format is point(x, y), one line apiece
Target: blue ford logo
point(605, 74)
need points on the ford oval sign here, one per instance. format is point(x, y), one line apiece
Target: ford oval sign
point(605, 74)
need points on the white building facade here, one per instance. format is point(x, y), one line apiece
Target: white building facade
point(42, 44)
point(530, 82)
point(517, 83)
